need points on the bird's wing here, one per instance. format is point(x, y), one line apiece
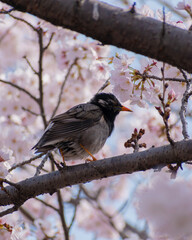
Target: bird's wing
point(71, 123)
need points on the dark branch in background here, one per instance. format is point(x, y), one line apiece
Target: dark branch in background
point(126, 230)
point(115, 26)
point(39, 72)
point(128, 163)
point(62, 216)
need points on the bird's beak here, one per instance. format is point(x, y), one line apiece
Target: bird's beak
point(126, 109)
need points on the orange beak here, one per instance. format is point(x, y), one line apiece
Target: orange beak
point(126, 109)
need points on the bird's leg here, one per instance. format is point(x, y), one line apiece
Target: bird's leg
point(62, 155)
point(93, 158)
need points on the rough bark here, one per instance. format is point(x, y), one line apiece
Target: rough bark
point(125, 164)
point(112, 25)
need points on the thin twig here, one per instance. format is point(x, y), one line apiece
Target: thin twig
point(165, 118)
point(40, 76)
point(160, 79)
point(106, 84)
point(23, 20)
point(61, 214)
point(184, 103)
point(25, 162)
point(28, 110)
point(38, 170)
point(28, 62)
point(35, 166)
point(62, 87)
point(47, 204)
point(75, 209)
point(20, 88)
point(48, 44)
point(27, 214)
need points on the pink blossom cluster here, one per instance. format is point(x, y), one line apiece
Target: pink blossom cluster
point(165, 205)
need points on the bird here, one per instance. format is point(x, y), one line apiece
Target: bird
point(82, 130)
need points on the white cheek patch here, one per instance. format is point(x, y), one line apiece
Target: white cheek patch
point(102, 102)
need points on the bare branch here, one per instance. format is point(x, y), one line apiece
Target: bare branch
point(70, 175)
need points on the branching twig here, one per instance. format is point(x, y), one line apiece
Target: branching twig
point(62, 87)
point(41, 165)
point(166, 110)
point(49, 42)
point(25, 162)
point(160, 78)
point(134, 140)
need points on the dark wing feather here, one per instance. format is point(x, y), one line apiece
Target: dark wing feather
point(69, 124)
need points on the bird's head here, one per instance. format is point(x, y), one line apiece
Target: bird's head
point(109, 104)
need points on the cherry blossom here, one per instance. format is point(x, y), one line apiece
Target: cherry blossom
point(159, 203)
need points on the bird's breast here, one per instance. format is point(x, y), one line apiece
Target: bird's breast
point(95, 137)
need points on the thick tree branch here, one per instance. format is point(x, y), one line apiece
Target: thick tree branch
point(127, 163)
point(115, 26)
